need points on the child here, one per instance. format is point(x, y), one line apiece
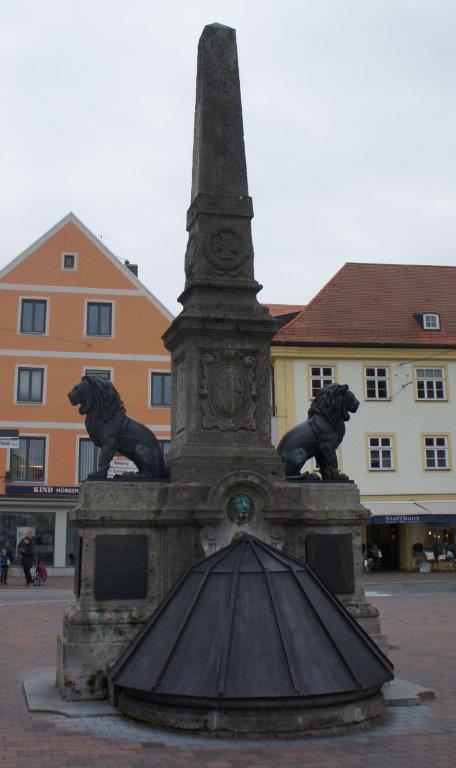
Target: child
point(4, 565)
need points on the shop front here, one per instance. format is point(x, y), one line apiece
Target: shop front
point(44, 511)
point(411, 536)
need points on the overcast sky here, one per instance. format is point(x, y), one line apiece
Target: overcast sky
point(349, 119)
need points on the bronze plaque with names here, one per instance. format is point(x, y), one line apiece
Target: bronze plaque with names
point(120, 567)
point(331, 557)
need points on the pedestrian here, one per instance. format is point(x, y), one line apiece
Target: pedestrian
point(4, 565)
point(26, 549)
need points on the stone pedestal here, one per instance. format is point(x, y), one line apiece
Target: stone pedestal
point(164, 528)
point(115, 595)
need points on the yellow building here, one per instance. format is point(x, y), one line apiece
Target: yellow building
point(389, 332)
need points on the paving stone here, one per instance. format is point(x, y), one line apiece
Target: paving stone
point(422, 627)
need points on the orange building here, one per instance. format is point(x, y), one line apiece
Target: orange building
point(68, 306)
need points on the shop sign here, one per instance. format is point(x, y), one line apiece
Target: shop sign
point(43, 490)
point(9, 442)
point(392, 519)
point(425, 518)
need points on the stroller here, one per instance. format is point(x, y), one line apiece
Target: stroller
point(41, 575)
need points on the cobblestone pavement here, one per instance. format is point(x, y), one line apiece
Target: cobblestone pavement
point(420, 628)
point(16, 580)
point(404, 577)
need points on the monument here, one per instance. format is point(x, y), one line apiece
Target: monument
point(226, 479)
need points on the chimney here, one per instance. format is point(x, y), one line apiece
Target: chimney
point(132, 267)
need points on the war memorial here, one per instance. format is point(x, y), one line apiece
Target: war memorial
point(241, 609)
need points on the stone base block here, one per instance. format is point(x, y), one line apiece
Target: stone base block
point(82, 668)
point(368, 618)
point(255, 721)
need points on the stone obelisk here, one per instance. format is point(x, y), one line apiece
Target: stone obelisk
point(221, 415)
point(219, 344)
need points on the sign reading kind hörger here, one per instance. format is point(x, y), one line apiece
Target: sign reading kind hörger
point(43, 490)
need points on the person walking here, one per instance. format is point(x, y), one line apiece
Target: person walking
point(26, 549)
point(4, 565)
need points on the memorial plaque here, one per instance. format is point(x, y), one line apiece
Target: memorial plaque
point(77, 563)
point(331, 557)
point(120, 567)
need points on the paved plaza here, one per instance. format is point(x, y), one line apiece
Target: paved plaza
point(419, 617)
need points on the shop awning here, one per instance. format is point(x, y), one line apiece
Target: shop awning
point(391, 512)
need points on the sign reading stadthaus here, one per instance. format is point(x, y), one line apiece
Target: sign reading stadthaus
point(43, 490)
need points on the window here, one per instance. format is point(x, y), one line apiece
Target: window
point(33, 315)
point(436, 452)
point(42, 526)
point(68, 261)
point(72, 542)
point(160, 389)
point(381, 452)
point(99, 318)
point(321, 377)
point(431, 322)
point(27, 462)
point(30, 385)
point(377, 383)
point(430, 384)
point(105, 373)
point(273, 395)
point(165, 445)
point(88, 458)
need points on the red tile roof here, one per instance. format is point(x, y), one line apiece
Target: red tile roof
point(376, 304)
point(275, 310)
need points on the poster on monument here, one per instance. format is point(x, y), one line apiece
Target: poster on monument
point(121, 466)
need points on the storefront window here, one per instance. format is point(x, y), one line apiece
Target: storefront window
point(70, 543)
point(440, 539)
point(42, 526)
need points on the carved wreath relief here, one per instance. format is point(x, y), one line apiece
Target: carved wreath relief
point(225, 252)
point(228, 390)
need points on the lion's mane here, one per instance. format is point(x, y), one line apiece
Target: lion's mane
point(332, 402)
point(106, 401)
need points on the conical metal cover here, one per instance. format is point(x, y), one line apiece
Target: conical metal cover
point(250, 622)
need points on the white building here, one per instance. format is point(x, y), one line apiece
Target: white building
point(389, 332)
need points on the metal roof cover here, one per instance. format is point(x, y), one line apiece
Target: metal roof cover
point(250, 622)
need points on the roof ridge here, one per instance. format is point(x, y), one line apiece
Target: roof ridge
point(112, 257)
point(397, 264)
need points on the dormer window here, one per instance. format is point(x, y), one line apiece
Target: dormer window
point(431, 321)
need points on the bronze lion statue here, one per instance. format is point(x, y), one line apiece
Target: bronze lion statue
point(321, 434)
point(109, 427)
